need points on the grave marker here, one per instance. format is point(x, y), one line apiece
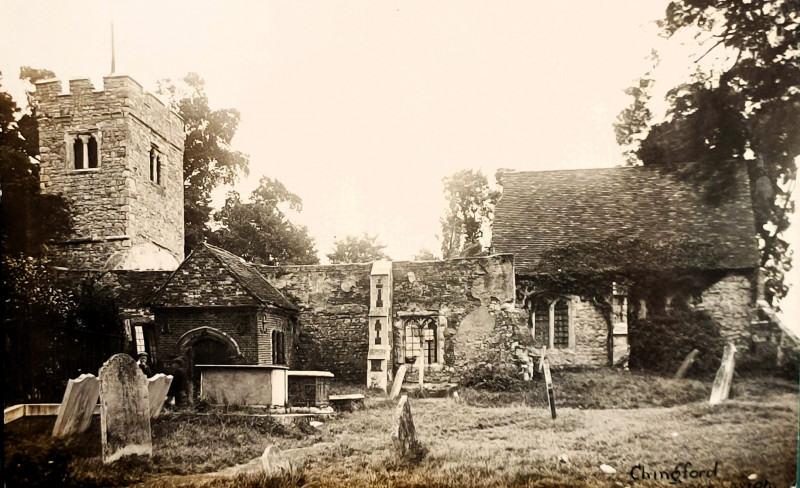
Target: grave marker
point(77, 406)
point(722, 382)
point(157, 388)
point(398, 381)
point(273, 461)
point(124, 409)
point(544, 364)
point(687, 362)
point(404, 435)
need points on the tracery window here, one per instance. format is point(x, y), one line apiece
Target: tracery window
point(421, 339)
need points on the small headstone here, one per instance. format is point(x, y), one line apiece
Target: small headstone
point(273, 461)
point(404, 435)
point(316, 424)
point(157, 388)
point(686, 364)
point(398, 381)
point(77, 406)
point(124, 409)
point(722, 382)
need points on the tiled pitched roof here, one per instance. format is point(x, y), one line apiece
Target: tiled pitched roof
point(541, 210)
point(137, 286)
point(251, 279)
point(211, 276)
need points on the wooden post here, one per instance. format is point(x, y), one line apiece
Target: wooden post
point(544, 365)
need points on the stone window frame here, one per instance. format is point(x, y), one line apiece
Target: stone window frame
point(551, 304)
point(278, 346)
point(156, 166)
point(438, 336)
point(69, 141)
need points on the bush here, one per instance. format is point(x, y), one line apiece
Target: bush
point(660, 343)
point(493, 374)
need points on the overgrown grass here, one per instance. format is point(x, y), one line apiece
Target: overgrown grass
point(481, 440)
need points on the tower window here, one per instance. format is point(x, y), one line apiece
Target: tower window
point(84, 150)
point(155, 166)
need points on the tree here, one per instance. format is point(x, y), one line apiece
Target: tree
point(746, 110)
point(424, 254)
point(354, 249)
point(28, 218)
point(470, 208)
point(258, 230)
point(208, 158)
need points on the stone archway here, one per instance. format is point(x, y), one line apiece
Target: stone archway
point(205, 345)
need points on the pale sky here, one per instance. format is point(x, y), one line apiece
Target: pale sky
point(362, 107)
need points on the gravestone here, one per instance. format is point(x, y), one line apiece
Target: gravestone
point(273, 461)
point(124, 409)
point(397, 384)
point(77, 406)
point(157, 388)
point(544, 365)
point(686, 364)
point(404, 434)
point(722, 382)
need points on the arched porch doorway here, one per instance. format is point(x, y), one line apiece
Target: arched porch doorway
point(205, 345)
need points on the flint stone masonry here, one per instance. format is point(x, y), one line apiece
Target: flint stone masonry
point(124, 409)
point(77, 407)
point(116, 208)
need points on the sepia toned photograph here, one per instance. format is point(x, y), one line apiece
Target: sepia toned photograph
point(335, 243)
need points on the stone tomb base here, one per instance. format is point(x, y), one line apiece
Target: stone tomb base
point(254, 385)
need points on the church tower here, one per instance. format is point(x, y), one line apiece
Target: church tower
point(116, 156)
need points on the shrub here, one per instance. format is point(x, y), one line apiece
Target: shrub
point(42, 463)
point(660, 343)
point(494, 374)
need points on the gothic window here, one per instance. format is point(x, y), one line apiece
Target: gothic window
point(421, 339)
point(84, 150)
point(561, 324)
point(550, 322)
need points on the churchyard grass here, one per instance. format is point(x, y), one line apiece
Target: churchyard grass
point(472, 444)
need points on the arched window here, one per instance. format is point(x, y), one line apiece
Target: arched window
point(158, 169)
point(77, 152)
point(92, 149)
point(154, 166)
point(550, 322)
point(421, 339)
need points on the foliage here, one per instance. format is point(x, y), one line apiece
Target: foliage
point(354, 249)
point(32, 464)
point(493, 373)
point(661, 342)
point(748, 109)
point(470, 208)
point(258, 229)
point(424, 254)
point(208, 158)
point(28, 219)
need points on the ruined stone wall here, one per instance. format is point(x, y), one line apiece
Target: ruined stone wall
point(730, 302)
point(114, 206)
point(333, 318)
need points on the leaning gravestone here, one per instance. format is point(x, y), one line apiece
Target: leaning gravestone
point(77, 406)
point(124, 409)
point(686, 364)
point(404, 435)
point(722, 382)
point(157, 388)
point(398, 381)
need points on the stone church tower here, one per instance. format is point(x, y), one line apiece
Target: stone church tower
point(116, 156)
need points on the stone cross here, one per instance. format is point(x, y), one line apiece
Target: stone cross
point(722, 382)
point(686, 364)
point(157, 388)
point(77, 406)
point(124, 409)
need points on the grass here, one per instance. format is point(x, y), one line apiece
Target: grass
point(481, 440)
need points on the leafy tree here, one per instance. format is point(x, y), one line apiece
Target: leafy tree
point(258, 230)
point(354, 249)
point(28, 218)
point(424, 254)
point(208, 158)
point(470, 207)
point(747, 110)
